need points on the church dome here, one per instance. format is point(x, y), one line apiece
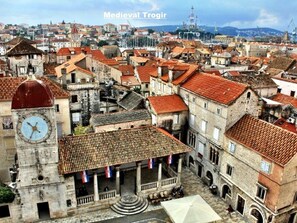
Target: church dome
point(32, 93)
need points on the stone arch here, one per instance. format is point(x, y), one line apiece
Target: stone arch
point(191, 160)
point(257, 213)
point(210, 177)
point(226, 190)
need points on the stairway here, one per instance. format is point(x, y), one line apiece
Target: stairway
point(130, 204)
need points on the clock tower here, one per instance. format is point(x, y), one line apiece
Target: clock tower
point(41, 188)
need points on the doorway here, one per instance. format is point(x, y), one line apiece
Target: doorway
point(257, 215)
point(43, 210)
point(226, 190)
point(240, 204)
point(293, 218)
point(210, 177)
point(199, 171)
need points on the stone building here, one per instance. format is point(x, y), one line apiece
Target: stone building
point(170, 76)
point(22, 55)
point(170, 113)
point(258, 171)
point(57, 179)
point(215, 104)
point(143, 74)
point(83, 88)
point(39, 185)
point(8, 86)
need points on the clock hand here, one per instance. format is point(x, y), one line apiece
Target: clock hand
point(30, 124)
point(32, 133)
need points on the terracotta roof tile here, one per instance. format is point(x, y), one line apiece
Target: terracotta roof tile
point(98, 55)
point(215, 88)
point(23, 48)
point(272, 142)
point(129, 80)
point(167, 104)
point(285, 99)
point(97, 150)
point(144, 72)
point(126, 69)
point(66, 51)
point(282, 63)
point(9, 85)
point(286, 125)
point(186, 75)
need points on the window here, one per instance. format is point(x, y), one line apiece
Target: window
point(292, 94)
point(4, 211)
point(229, 170)
point(214, 156)
point(279, 90)
point(192, 139)
point(73, 78)
point(265, 166)
point(68, 57)
point(205, 105)
point(7, 123)
point(216, 133)
point(31, 56)
point(218, 111)
point(232, 147)
point(76, 117)
point(201, 147)
point(57, 107)
point(74, 99)
point(22, 70)
point(248, 95)
point(146, 85)
point(261, 191)
point(193, 99)
point(192, 120)
point(203, 125)
point(176, 119)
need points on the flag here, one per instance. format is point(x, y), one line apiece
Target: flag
point(108, 172)
point(169, 159)
point(84, 177)
point(150, 163)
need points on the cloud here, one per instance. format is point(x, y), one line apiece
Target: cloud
point(264, 19)
point(153, 5)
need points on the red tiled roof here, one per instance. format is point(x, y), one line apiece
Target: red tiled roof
point(129, 80)
point(66, 51)
point(272, 142)
point(98, 55)
point(144, 73)
point(285, 99)
point(9, 85)
point(215, 88)
point(126, 69)
point(110, 62)
point(234, 73)
point(286, 125)
point(214, 72)
point(185, 76)
point(167, 104)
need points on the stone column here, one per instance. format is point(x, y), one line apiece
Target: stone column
point(138, 177)
point(118, 179)
point(179, 169)
point(159, 173)
point(96, 194)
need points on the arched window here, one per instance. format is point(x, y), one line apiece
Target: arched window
point(248, 95)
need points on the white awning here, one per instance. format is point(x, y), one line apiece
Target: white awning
point(192, 209)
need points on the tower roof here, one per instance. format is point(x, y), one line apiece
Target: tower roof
point(74, 29)
point(32, 93)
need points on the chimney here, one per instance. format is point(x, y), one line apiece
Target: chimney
point(170, 74)
point(64, 83)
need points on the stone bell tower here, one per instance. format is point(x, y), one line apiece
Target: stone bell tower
point(41, 188)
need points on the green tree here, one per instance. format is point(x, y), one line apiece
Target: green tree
point(102, 43)
point(6, 195)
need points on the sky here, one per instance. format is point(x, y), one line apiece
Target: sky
point(239, 13)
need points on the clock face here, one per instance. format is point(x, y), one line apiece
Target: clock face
point(34, 128)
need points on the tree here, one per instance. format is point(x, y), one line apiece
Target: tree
point(150, 31)
point(6, 195)
point(102, 43)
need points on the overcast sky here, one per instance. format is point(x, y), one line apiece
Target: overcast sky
point(239, 13)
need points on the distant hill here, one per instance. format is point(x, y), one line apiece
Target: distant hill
point(227, 30)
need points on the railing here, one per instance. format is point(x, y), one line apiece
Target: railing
point(79, 86)
point(85, 199)
point(107, 195)
point(171, 172)
point(149, 186)
point(168, 181)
